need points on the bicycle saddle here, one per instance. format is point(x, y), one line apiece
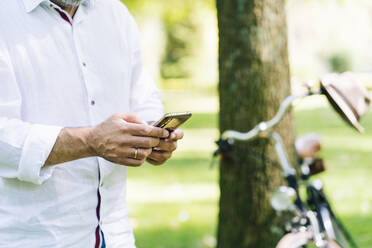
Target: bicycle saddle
point(347, 96)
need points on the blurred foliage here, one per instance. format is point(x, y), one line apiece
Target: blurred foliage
point(340, 62)
point(177, 48)
point(181, 31)
point(175, 10)
point(321, 38)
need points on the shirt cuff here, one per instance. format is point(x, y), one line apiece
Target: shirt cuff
point(36, 149)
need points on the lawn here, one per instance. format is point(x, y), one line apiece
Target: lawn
point(176, 206)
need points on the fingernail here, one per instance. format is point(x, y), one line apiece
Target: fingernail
point(166, 133)
point(173, 136)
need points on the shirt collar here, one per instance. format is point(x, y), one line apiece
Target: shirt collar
point(30, 5)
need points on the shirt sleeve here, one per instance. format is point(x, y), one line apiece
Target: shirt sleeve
point(146, 99)
point(24, 147)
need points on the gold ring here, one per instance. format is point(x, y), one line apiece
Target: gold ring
point(135, 153)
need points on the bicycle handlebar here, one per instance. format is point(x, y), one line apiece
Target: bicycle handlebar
point(264, 126)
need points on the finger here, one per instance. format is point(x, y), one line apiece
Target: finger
point(160, 156)
point(139, 153)
point(167, 145)
point(147, 130)
point(127, 161)
point(176, 134)
point(132, 162)
point(140, 142)
point(154, 162)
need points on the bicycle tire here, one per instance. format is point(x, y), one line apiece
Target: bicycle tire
point(331, 227)
point(335, 229)
point(300, 240)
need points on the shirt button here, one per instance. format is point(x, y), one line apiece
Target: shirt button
point(84, 64)
point(92, 102)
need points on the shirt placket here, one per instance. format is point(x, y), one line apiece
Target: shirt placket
point(84, 70)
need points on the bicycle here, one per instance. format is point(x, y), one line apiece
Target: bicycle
point(314, 223)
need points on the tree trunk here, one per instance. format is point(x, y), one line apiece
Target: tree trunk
point(254, 79)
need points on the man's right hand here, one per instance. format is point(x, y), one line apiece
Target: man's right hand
point(123, 139)
point(118, 138)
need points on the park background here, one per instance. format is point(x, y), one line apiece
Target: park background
point(176, 206)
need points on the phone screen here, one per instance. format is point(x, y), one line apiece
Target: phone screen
point(172, 121)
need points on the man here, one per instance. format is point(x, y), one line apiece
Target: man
point(74, 102)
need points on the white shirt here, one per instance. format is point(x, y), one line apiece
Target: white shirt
point(54, 75)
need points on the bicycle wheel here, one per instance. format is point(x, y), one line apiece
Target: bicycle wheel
point(331, 225)
point(302, 239)
point(334, 229)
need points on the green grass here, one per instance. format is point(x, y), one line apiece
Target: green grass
point(176, 205)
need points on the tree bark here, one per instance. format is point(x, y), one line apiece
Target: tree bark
point(254, 79)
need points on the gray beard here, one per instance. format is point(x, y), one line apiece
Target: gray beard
point(68, 3)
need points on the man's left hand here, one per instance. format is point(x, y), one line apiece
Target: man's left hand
point(166, 147)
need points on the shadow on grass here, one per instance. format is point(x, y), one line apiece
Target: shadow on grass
point(202, 120)
point(307, 120)
point(202, 236)
point(177, 170)
point(317, 119)
point(327, 120)
point(360, 229)
point(186, 236)
point(176, 225)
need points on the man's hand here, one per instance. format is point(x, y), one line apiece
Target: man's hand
point(163, 151)
point(125, 139)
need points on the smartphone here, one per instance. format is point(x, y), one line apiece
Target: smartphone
point(172, 121)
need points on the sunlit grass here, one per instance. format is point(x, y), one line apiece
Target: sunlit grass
point(176, 206)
